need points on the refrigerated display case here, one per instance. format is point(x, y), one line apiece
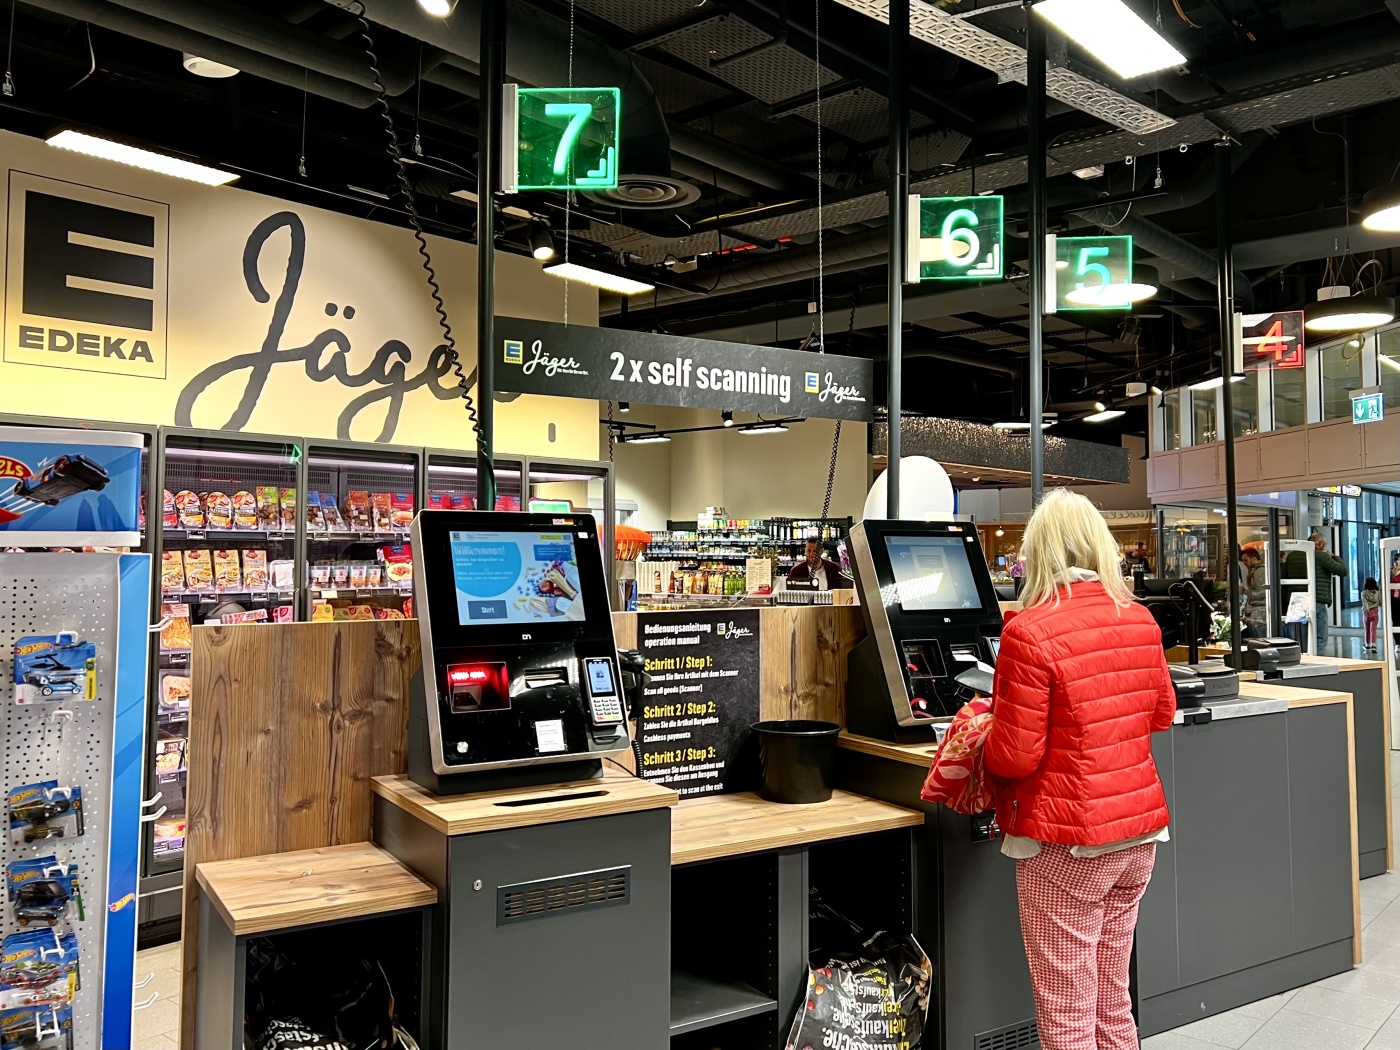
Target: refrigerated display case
point(360, 502)
point(451, 480)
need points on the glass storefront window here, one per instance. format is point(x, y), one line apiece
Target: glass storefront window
point(1246, 396)
point(1388, 361)
point(1203, 417)
point(1169, 419)
point(1290, 399)
point(1339, 369)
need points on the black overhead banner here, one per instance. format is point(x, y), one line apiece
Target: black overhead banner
point(545, 357)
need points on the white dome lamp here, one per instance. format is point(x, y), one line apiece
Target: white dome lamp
point(925, 491)
point(1338, 310)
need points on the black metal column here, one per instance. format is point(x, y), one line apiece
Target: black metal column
point(488, 178)
point(899, 197)
point(1035, 177)
point(1225, 246)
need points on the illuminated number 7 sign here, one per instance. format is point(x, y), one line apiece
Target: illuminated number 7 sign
point(560, 138)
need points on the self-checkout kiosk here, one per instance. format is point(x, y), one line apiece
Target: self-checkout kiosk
point(507, 813)
point(520, 682)
point(931, 613)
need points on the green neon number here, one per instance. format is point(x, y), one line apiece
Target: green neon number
point(578, 114)
point(961, 235)
point(1086, 267)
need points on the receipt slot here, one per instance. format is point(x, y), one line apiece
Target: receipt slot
point(520, 683)
point(930, 612)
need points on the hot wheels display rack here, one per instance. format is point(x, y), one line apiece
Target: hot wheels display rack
point(74, 768)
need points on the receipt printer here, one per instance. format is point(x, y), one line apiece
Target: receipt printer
point(520, 682)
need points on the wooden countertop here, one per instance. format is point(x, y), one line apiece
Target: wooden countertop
point(1343, 663)
point(614, 792)
point(729, 825)
point(281, 891)
point(910, 754)
point(1297, 696)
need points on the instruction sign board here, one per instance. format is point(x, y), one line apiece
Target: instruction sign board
point(702, 699)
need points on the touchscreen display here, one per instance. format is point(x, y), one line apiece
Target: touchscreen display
point(515, 577)
point(932, 573)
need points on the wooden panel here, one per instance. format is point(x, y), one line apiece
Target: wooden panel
point(1381, 442)
point(521, 807)
point(728, 825)
point(1295, 695)
point(1283, 454)
point(281, 891)
point(288, 724)
point(909, 754)
point(1165, 472)
point(1334, 448)
point(1198, 467)
point(1246, 461)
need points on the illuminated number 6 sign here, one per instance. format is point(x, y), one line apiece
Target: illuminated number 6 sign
point(954, 239)
point(560, 138)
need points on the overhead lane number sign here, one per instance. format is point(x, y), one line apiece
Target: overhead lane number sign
point(955, 239)
point(1270, 341)
point(1088, 273)
point(560, 138)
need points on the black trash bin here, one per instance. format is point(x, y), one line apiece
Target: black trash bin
point(798, 758)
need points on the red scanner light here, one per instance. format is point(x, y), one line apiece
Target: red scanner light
point(469, 674)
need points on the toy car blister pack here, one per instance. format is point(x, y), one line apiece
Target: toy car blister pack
point(54, 667)
point(40, 889)
point(37, 967)
point(44, 811)
point(37, 1028)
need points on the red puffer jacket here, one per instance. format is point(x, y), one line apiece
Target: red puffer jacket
point(1080, 688)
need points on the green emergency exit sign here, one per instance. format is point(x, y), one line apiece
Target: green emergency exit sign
point(560, 138)
point(1368, 408)
point(1089, 273)
point(955, 239)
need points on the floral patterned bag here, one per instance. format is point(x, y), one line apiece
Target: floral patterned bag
point(958, 778)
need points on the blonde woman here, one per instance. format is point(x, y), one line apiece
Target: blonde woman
point(1081, 685)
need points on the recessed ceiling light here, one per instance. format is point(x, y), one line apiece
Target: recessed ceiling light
point(1113, 34)
point(609, 282)
point(145, 159)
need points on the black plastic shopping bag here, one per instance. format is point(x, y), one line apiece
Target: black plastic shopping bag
point(874, 997)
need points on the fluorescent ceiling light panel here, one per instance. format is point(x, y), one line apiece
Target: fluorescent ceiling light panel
point(646, 439)
point(609, 282)
point(1216, 383)
point(763, 428)
point(1104, 416)
point(145, 159)
point(1113, 34)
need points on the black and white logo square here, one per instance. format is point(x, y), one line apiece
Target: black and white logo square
point(86, 278)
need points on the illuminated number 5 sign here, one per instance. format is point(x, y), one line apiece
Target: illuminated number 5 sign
point(560, 138)
point(954, 239)
point(1089, 273)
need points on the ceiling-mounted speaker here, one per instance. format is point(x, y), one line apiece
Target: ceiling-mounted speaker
point(1135, 389)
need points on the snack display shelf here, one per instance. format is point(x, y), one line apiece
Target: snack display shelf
point(404, 591)
point(220, 596)
point(393, 535)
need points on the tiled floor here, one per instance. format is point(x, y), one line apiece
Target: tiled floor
point(1352, 1011)
point(1347, 1012)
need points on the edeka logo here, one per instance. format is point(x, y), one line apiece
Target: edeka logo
point(515, 352)
point(86, 278)
point(813, 383)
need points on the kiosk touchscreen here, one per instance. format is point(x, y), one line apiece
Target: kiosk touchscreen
point(520, 680)
point(930, 612)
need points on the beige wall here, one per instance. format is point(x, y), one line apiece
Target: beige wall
point(750, 476)
point(359, 302)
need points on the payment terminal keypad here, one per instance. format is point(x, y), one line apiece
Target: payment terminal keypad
point(604, 698)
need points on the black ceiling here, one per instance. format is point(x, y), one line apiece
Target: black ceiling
point(1309, 88)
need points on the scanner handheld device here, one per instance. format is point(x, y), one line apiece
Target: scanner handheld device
point(520, 682)
point(931, 614)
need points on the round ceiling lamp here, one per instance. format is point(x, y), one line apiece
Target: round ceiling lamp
point(438, 8)
point(207, 67)
point(1143, 286)
point(1382, 209)
point(1337, 310)
point(542, 244)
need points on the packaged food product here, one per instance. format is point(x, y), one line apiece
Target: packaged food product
point(357, 574)
point(245, 510)
point(360, 612)
point(330, 511)
point(408, 607)
point(168, 517)
point(374, 575)
point(283, 573)
point(357, 512)
point(283, 614)
point(188, 510)
point(321, 575)
point(440, 501)
point(322, 612)
point(315, 522)
point(287, 498)
point(170, 755)
point(340, 575)
point(381, 511)
point(269, 510)
point(175, 636)
point(387, 614)
point(175, 691)
point(399, 573)
point(199, 571)
point(401, 509)
point(255, 570)
point(172, 571)
point(227, 575)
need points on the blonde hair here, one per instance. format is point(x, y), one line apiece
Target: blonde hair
point(1066, 530)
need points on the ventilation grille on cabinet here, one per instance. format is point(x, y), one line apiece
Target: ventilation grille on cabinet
point(608, 888)
point(1021, 1036)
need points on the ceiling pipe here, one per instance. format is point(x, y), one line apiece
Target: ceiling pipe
point(178, 38)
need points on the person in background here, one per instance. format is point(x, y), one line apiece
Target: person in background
point(824, 574)
point(1254, 611)
point(1080, 687)
point(1370, 610)
point(1325, 566)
